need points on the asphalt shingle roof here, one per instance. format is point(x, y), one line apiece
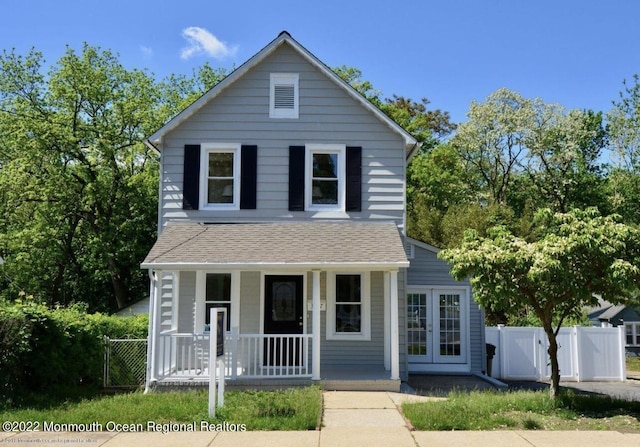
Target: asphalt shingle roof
point(295, 243)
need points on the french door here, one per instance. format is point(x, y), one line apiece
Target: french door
point(437, 325)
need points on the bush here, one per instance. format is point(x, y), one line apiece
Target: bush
point(43, 351)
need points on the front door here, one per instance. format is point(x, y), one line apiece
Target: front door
point(283, 317)
point(436, 326)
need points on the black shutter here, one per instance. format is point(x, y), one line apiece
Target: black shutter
point(296, 178)
point(354, 179)
point(191, 177)
point(248, 177)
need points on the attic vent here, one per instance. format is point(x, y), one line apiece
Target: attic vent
point(409, 249)
point(283, 96)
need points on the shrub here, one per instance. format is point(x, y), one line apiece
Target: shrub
point(45, 350)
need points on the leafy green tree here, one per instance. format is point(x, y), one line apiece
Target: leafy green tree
point(79, 188)
point(578, 255)
point(624, 126)
point(623, 186)
point(492, 141)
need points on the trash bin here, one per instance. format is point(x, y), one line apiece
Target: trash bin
point(491, 352)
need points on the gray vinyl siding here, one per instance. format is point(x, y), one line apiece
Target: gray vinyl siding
point(250, 303)
point(187, 302)
point(427, 270)
point(240, 115)
point(166, 301)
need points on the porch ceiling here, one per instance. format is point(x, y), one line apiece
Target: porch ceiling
point(263, 245)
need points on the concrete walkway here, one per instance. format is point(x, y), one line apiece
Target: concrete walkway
point(350, 419)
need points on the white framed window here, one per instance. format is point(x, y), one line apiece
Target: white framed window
point(348, 306)
point(220, 176)
point(283, 95)
point(216, 289)
point(632, 334)
point(325, 177)
point(217, 294)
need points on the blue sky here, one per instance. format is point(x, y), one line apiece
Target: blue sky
point(572, 52)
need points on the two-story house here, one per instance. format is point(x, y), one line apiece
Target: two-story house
point(282, 199)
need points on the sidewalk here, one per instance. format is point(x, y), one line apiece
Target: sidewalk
point(351, 418)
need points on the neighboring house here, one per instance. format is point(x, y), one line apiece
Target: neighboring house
point(140, 306)
point(282, 199)
point(607, 314)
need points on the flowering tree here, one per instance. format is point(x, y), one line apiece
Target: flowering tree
point(574, 257)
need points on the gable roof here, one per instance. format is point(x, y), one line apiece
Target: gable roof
point(283, 38)
point(296, 244)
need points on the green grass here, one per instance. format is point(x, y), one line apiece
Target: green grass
point(524, 410)
point(291, 409)
point(633, 364)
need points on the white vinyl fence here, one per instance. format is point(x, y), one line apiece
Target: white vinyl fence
point(585, 354)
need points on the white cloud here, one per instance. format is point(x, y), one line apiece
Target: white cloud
point(146, 51)
point(202, 41)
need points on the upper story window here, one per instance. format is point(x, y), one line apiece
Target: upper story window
point(220, 166)
point(283, 95)
point(325, 189)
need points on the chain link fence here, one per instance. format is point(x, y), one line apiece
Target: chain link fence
point(125, 362)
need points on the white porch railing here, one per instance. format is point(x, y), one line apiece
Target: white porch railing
point(184, 356)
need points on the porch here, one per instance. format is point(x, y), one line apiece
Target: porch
point(294, 314)
point(260, 361)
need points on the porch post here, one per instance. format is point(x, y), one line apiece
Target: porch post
point(393, 316)
point(315, 326)
point(387, 324)
point(152, 336)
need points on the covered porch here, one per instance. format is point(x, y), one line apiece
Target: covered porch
point(306, 302)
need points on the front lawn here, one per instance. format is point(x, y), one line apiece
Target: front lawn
point(524, 410)
point(291, 409)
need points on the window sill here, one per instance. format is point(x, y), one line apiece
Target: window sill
point(349, 337)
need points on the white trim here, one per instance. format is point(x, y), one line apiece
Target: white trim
point(329, 266)
point(286, 79)
point(365, 302)
point(338, 149)
point(221, 148)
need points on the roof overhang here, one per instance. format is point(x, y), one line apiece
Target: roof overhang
point(155, 140)
point(285, 245)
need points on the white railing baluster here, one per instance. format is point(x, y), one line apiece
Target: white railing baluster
point(186, 356)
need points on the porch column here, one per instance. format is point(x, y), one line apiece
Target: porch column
point(315, 326)
point(154, 327)
point(393, 316)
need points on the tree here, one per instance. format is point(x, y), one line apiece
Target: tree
point(78, 187)
point(624, 126)
point(578, 255)
point(623, 186)
point(492, 141)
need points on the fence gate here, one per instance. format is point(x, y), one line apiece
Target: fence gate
point(125, 362)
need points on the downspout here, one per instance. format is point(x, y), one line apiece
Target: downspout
point(151, 339)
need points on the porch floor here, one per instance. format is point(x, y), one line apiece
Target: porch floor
point(344, 378)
